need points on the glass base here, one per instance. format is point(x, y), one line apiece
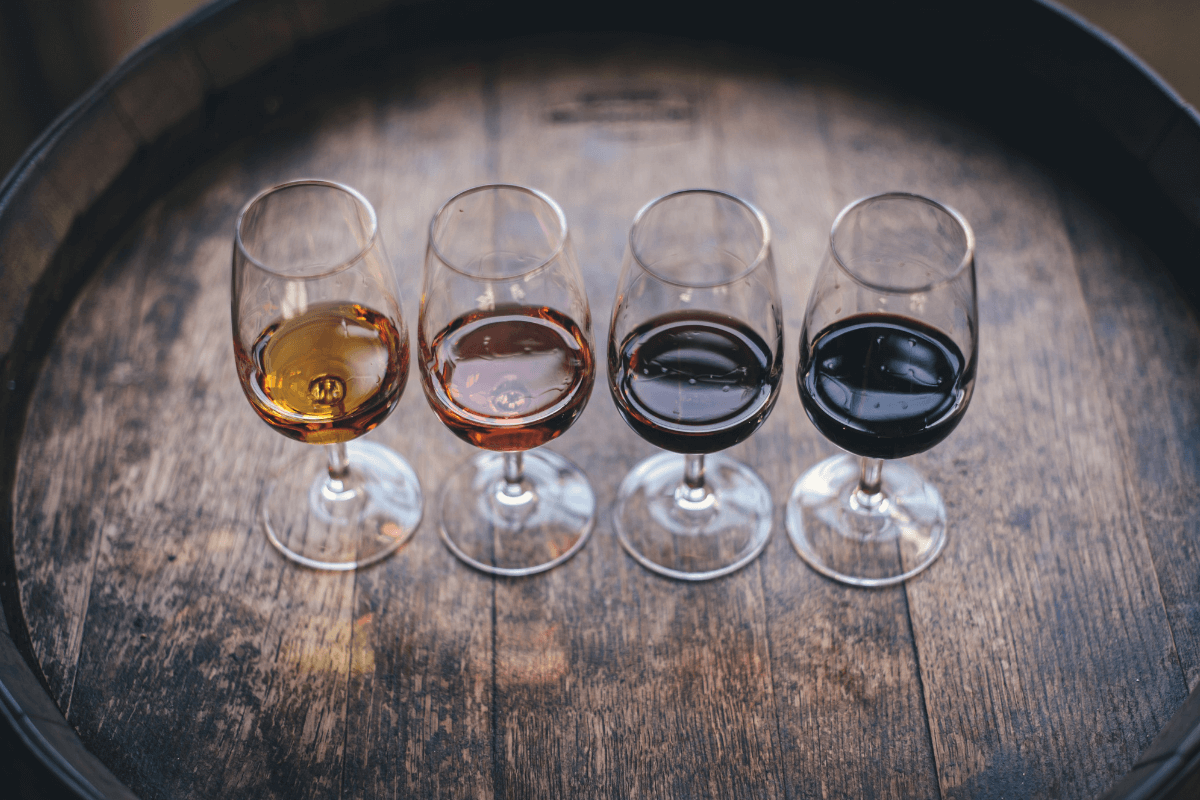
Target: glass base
point(866, 540)
point(530, 528)
point(689, 535)
point(373, 511)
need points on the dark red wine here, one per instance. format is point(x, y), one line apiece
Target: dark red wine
point(884, 386)
point(512, 378)
point(694, 381)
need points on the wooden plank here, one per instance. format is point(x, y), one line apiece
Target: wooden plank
point(36, 719)
point(1042, 624)
point(1146, 337)
point(229, 664)
point(188, 605)
point(189, 602)
point(611, 681)
point(36, 219)
point(419, 719)
point(843, 661)
point(66, 456)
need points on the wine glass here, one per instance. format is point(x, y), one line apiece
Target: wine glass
point(695, 354)
point(507, 363)
point(322, 355)
point(887, 367)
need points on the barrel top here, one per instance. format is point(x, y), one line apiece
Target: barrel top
point(1040, 656)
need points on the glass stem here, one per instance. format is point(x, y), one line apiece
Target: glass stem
point(514, 473)
point(869, 495)
point(872, 475)
point(694, 489)
point(339, 465)
point(693, 470)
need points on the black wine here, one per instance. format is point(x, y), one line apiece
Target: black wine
point(694, 381)
point(884, 386)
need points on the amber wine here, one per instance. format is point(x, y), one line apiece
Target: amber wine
point(512, 378)
point(327, 375)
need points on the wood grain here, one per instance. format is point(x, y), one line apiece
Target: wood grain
point(1043, 624)
point(185, 603)
point(611, 681)
point(420, 714)
point(848, 694)
point(1146, 338)
point(1037, 658)
point(60, 536)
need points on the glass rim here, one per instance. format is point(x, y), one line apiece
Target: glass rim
point(968, 256)
point(328, 184)
point(559, 245)
point(763, 250)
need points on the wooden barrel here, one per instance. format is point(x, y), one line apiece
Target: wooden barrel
point(154, 645)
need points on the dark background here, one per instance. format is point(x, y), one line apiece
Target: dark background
point(51, 51)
